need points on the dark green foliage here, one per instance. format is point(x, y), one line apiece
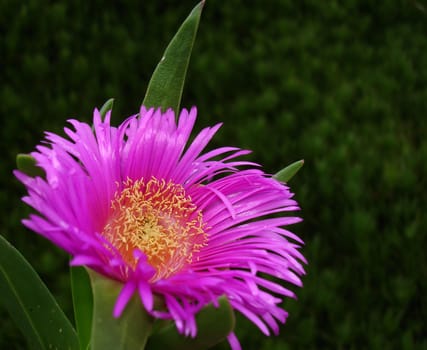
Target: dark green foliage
point(342, 85)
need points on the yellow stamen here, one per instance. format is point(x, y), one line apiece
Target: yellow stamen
point(158, 218)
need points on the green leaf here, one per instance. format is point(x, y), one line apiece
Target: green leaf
point(213, 326)
point(287, 173)
point(31, 305)
point(27, 164)
point(82, 303)
point(130, 331)
point(167, 82)
point(107, 106)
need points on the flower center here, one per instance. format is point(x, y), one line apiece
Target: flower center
point(159, 219)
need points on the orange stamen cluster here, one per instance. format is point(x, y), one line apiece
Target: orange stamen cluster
point(158, 218)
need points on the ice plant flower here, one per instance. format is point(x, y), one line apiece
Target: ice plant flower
point(142, 205)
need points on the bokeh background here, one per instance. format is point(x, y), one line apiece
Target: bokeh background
point(341, 84)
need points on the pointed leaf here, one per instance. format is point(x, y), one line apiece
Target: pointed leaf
point(167, 82)
point(213, 326)
point(130, 331)
point(107, 106)
point(27, 164)
point(82, 303)
point(287, 173)
point(31, 305)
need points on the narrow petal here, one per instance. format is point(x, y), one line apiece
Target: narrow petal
point(233, 341)
point(146, 295)
point(125, 295)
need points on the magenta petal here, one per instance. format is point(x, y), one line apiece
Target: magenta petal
point(123, 298)
point(146, 295)
point(81, 260)
point(253, 317)
point(234, 342)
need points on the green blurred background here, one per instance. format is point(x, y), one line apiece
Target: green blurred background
point(341, 84)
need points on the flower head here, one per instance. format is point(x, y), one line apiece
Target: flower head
point(140, 204)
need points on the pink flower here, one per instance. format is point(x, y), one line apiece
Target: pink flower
point(140, 204)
